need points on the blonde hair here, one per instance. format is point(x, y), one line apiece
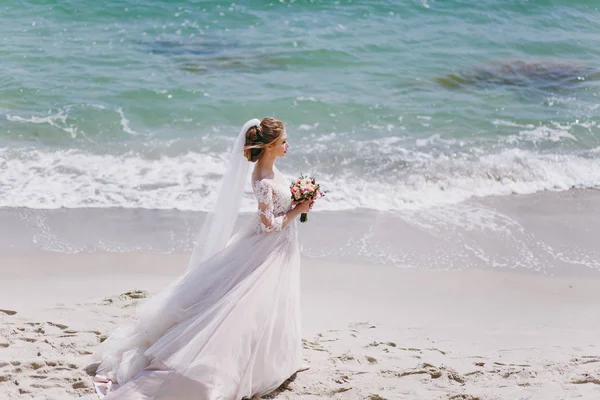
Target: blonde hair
point(259, 137)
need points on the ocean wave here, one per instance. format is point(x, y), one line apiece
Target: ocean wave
point(74, 179)
point(443, 181)
point(57, 120)
point(81, 121)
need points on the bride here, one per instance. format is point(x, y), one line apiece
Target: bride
point(229, 327)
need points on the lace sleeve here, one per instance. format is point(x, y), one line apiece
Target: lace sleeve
point(268, 221)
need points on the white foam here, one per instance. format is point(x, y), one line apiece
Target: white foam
point(57, 120)
point(309, 98)
point(74, 178)
point(546, 133)
point(65, 122)
point(125, 123)
point(428, 141)
point(306, 127)
point(499, 122)
point(555, 133)
point(552, 100)
point(443, 181)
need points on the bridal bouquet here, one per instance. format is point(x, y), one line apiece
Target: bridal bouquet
point(305, 188)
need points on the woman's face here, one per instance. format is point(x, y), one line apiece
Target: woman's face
point(281, 146)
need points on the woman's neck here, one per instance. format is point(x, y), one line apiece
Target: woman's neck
point(265, 166)
point(266, 162)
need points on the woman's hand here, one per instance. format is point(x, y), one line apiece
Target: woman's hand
point(304, 207)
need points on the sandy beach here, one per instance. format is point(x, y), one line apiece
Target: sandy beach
point(370, 331)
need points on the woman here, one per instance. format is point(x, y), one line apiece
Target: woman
point(229, 328)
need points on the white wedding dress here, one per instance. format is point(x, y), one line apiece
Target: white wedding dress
point(227, 330)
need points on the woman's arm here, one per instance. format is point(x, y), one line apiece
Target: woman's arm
point(268, 221)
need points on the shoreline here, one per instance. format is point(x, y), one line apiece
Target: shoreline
point(552, 233)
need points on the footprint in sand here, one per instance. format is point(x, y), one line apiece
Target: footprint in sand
point(431, 370)
point(30, 377)
point(586, 360)
point(586, 378)
point(46, 355)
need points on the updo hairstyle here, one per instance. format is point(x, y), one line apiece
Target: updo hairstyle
point(259, 137)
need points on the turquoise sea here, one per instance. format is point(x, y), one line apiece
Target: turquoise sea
point(393, 105)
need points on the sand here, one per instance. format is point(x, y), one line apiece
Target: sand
point(370, 331)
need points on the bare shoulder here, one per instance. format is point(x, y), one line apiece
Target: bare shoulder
point(262, 176)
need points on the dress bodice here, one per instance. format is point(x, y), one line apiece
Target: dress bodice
point(278, 193)
point(274, 200)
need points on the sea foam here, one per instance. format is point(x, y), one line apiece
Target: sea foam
point(46, 179)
